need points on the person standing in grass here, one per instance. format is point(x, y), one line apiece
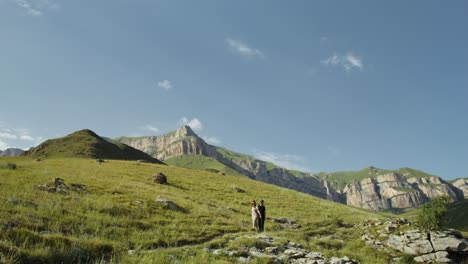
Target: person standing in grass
point(256, 216)
point(261, 223)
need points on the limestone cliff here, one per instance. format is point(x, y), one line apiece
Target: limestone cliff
point(392, 190)
point(180, 142)
point(462, 185)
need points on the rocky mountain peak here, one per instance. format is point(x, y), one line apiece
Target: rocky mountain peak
point(185, 131)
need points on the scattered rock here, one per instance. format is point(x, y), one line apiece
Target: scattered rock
point(286, 252)
point(237, 189)
point(167, 204)
point(131, 252)
point(286, 223)
point(221, 173)
point(160, 178)
point(99, 161)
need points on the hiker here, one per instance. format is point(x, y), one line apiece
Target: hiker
point(256, 216)
point(261, 223)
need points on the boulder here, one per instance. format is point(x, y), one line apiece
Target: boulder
point(167, 204)
point(160, 178)
point(448, 240)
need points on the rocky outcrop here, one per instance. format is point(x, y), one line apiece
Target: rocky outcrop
point(183, 141)
point(446, 246)
point(392, 190)
point(273, 250)
point(462, 185)
point(11, 152)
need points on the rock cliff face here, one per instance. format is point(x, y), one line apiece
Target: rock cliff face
point(392, 190)
point(185, 142)
point(462, 185)
point(180, 142)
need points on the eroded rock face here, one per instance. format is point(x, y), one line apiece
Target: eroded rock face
point(393, 190)
point(462, 184)
point(180, 142)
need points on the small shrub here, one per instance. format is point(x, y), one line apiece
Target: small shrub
point(432, 214)
point(8, 166)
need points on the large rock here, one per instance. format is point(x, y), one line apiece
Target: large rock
point(160, 178)
point(448, 241)
point(167, 204)
point(462, 184)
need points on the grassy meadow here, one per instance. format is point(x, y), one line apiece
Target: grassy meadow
point(118, 212)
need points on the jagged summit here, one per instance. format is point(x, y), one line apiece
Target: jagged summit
point(186, 131)
point(86, 144)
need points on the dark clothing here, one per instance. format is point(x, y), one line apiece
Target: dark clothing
point(261, 223)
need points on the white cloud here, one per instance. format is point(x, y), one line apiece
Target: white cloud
point(165, 84)
point(152, 128)
point(6, 135)
point(212, 140)
point(36, 7)
point(353, 61)
point(3, 145)
point(20, 137)
point(348, 62)
point(288, 161)
point(242, 48)
point(27, 138)
point(194, 123)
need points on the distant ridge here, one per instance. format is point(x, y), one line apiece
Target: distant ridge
point(11, 152)
point(87, 144)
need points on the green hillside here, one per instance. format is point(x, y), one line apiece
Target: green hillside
point(200, 162)
point(117, 211)
point(86, 144)
point(341, 178)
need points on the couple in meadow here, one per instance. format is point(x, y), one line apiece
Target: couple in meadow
point(258, 216)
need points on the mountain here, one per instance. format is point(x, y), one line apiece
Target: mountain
point(87, 144)
point(185, 148)
point(370, 188)
point(11, 152)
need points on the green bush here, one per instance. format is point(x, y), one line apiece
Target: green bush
point(8, 166)
point(432, 214)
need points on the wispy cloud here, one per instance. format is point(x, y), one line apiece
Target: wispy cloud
point(27, 138)
point(3, 145)
point(242, 48)
point(288, 161)
point(212, 140)
point(152, 128)
point(348, 61)
point(194, 123)
point(7, 135)
point(36, 7)
point(165, 84)
point(10, 136)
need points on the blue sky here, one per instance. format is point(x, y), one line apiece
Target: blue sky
point(311, 85)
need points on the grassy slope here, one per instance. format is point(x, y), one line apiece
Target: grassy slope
point(341, 178)
point(238, 157)
point(200, 162)
point(109, 220)
point(86, 144)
